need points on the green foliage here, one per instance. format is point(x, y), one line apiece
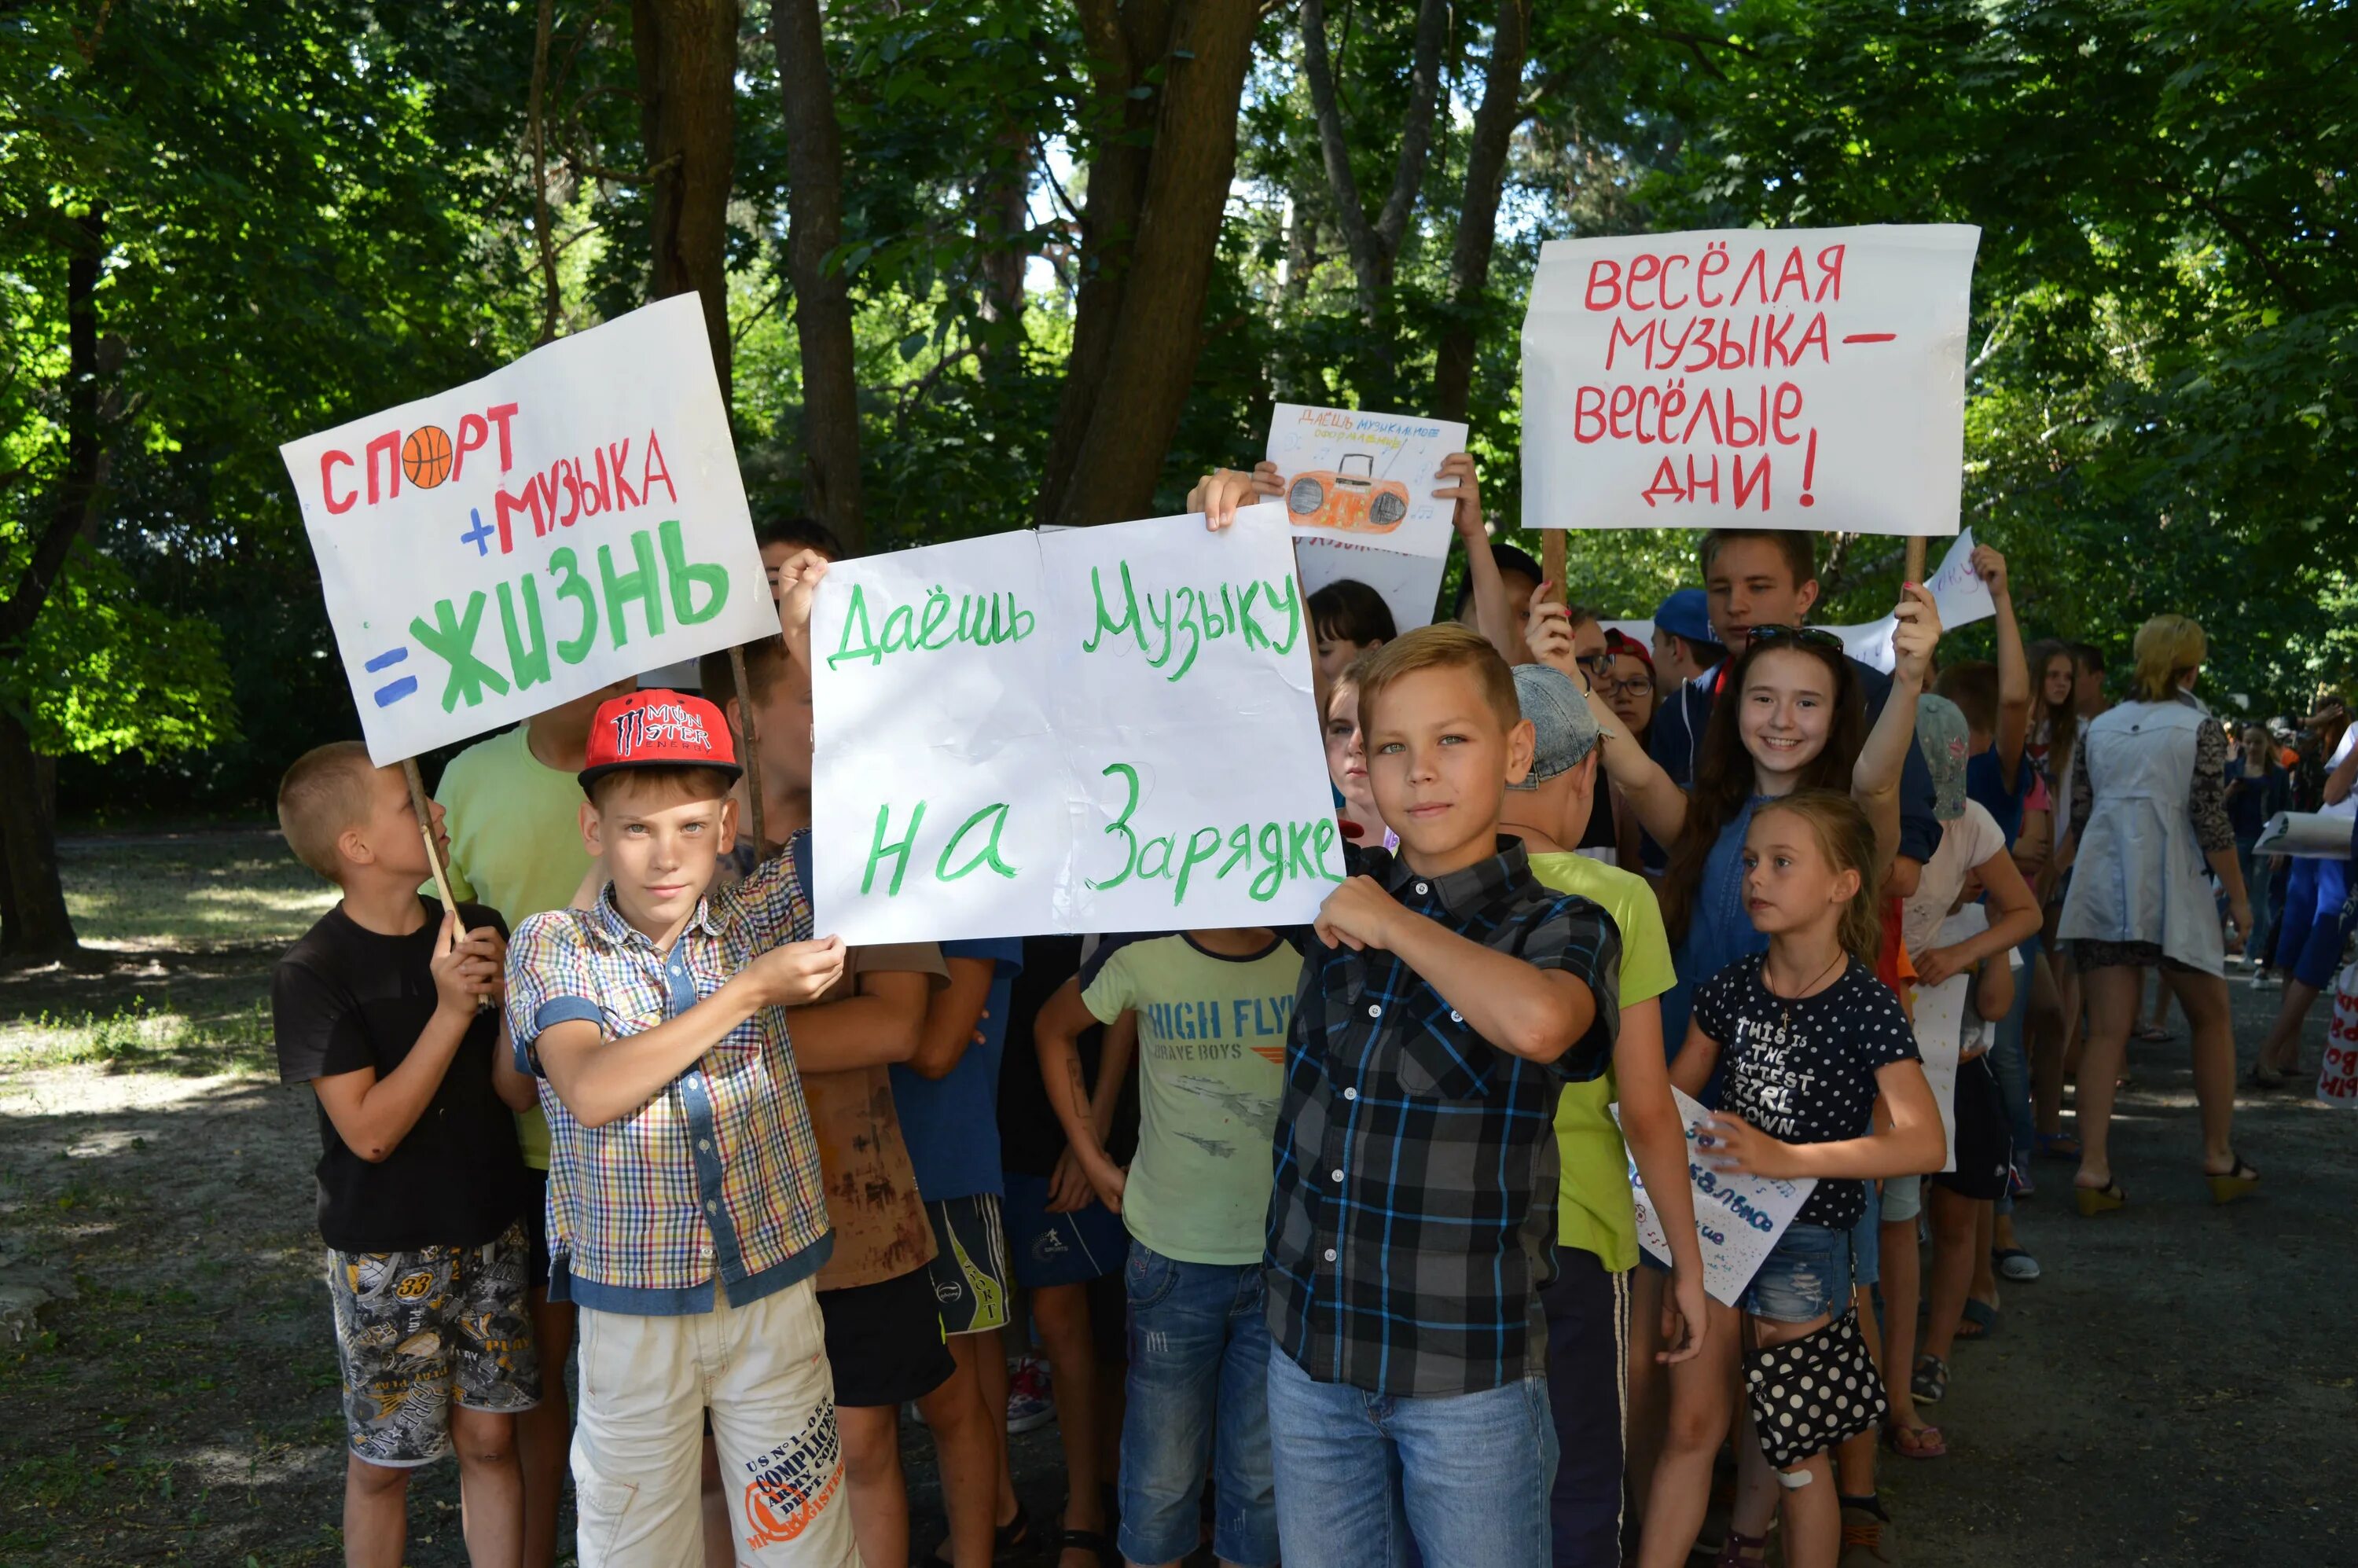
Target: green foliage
point(317, 207)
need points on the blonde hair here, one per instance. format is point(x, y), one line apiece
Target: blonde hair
point(324, 792)
point(2168, 648)
point(1443, 646)
point(1847, 840)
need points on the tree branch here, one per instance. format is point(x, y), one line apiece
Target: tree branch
point(1416, 135)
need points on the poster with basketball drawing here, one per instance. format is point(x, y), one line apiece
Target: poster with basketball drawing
point(562, 524)
point(1363, 477)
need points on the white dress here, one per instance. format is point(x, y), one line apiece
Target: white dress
point(2139, 876)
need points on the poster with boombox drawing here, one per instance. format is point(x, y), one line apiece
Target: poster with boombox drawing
point(1364, 479)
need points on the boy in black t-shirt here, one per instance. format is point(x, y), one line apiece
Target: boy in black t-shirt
point(421, 1188)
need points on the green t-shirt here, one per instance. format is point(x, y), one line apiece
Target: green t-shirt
point(1211, 1051)
point(516, 844)
point(1594, 1209)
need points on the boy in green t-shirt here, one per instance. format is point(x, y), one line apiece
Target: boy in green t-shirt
point(1212, 1010)
point(1589, 1307)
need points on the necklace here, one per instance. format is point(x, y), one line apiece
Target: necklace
point(1785, 1018)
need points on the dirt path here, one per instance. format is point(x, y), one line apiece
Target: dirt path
point(2177, 1390)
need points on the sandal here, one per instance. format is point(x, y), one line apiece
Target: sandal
point(1013, 1536)
point(1930, 1385)
point(1980, 1322)
point(2014, 1263)
point(1097, 1545)
point(2057, 1146)
point(2239, 1182)
point(1915, 1441)
point(2152, 1034)
point(1740, 1551)
point(2093, 1201)
point(2264, 1077)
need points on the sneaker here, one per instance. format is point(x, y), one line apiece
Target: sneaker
point(1029, 1407)
point(2018, 1182)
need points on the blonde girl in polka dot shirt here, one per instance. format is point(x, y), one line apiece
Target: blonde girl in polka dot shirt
point(1807, 1040)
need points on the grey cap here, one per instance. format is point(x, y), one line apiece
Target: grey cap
point(1942, 735)
point(1566, 731)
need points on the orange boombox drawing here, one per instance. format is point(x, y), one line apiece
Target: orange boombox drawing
point(1348, 498)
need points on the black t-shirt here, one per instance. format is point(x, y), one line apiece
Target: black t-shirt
point(1030, 1138)
point(1803, 1071)
point(345, 998)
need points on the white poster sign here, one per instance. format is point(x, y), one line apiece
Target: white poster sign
point(1737, 1218)
point(1090, 730)
point(1804, 378)
point(494, 550)
point(1365, 477)
point(1960, 596)
point(1409, 584)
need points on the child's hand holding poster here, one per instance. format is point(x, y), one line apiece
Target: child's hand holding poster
point(1737, 1218)
point(564, 523)
point(1088, 729)
point(1359, 494)
point(1749, 378)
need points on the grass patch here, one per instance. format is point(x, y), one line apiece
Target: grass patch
point(189, 890)
point(141, 1036)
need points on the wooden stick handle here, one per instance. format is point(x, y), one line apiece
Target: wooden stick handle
point(751, 747)
point(420, 804)
point(1914, 571)
point(1552, 562)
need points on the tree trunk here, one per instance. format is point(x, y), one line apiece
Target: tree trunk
point(830, 418)
point(687, 52)
point(1477, 216)
point(1158, 190)
point(1001, 215)
point(1374, 245)
point(38, 928)
point(33, 919)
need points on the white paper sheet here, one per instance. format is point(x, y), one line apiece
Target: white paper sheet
point(1409, 584)
point(1960, 596)
point(1737, 1218)
point(1807, 378)
point(510, 544)
point(1365, 477)
point(1104, 729)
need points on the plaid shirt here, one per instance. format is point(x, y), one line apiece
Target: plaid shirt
point(1413, 1221)
point(717, 1176)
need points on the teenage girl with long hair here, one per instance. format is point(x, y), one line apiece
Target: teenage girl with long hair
point(1807, 1041)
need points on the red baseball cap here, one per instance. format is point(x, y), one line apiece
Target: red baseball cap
point(658, 728)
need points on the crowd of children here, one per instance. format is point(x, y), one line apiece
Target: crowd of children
point(1322, 1241)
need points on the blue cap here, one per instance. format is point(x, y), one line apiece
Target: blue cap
point(1685, 613)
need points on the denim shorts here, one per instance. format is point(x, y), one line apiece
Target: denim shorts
point(1807, 1276)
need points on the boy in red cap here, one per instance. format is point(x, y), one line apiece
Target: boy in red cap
point(684, 1192)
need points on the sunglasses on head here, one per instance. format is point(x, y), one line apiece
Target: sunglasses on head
point(1807, 636)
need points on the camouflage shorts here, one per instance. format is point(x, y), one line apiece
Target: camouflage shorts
point(418, 1332)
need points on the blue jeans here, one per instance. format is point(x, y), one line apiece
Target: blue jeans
point(1467, 1476)
point(2010, 1059)
point(1806, 1275)
point(1198, 1397)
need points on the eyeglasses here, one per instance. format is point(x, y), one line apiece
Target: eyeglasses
point(1807, 636)
point(1635, 685)
point(1596, 664)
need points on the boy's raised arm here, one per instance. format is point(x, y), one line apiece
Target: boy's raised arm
point(1529, 1011)
point(372, 1115)
point(601, 1079)
point(1883, 761)
point(2013, 668)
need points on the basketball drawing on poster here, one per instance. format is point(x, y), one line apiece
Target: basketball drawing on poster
point(1808, 378)
point(565, 521)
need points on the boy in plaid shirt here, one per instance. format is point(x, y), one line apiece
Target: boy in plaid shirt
point(687, 1214)
point(1412, 1226)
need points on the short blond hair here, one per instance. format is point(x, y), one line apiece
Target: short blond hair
point(1443, 646)
point(2168, 648)
point(325, 792)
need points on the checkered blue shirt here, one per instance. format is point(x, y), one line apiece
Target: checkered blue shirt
point(1413, 1221)
point(717, 1178)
